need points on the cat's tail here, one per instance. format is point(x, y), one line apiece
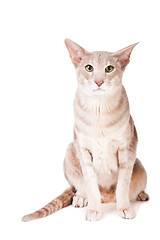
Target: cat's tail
point(64, 200)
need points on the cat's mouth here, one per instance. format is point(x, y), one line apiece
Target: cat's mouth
point(98, 90)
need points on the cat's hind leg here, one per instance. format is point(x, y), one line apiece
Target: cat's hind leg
point(73, 174)
point(138, 183)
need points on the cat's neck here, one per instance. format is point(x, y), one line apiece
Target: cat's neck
point(106, 102)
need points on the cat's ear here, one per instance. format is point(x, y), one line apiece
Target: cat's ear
point(76, 52)
point(123, 55)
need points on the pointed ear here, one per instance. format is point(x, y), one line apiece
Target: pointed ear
point(76, 52)
point(123, 55)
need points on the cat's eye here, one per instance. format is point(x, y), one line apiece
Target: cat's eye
point(89, 68)
point(109, 68)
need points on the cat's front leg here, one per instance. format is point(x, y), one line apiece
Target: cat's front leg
point(94, 198)
point(126, 163)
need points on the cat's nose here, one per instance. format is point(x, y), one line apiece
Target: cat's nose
point(99, 83)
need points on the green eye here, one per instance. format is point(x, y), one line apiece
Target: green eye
point(89, 68)
point(109, 68)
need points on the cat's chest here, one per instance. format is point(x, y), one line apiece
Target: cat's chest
point(104, 152)
point(103, 146)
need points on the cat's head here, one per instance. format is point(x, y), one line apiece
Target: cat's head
point(98, 72)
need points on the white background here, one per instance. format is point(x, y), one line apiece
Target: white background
point(37, 86)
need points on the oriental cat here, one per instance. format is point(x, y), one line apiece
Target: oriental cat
point(100, 164)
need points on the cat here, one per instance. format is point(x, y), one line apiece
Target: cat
point(100, 164)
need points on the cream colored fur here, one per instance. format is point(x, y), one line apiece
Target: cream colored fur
point(103, 154)
point(100, 164)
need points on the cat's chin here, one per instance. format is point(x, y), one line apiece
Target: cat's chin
point(99, 91)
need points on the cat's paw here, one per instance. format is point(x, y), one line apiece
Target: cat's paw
point(143, 196)
point(79, 201)
point(127, 213)
point(93, 215)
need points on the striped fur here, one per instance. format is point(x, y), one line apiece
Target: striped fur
point(103, 153)
point(100, 163)
point(64, 200)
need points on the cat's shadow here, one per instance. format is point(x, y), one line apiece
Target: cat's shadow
point(111, 208)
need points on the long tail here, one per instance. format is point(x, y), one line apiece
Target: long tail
point(64, 200)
